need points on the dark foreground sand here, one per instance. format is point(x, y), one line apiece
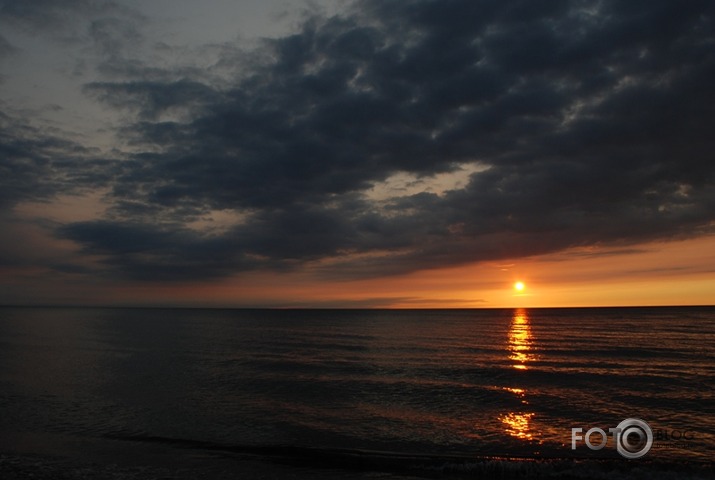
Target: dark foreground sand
point(21, 466)
point(15, 467)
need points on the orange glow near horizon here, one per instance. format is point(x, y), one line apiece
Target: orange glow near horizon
point(674, 273)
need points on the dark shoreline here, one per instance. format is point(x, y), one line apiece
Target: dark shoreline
point(22, 466)
point(225, 465)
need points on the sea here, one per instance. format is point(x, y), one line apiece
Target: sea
point(393, 391)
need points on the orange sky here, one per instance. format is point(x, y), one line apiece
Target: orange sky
point(674, 273)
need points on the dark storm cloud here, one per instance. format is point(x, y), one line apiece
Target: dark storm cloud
point(150, 252)
point(151, 99)
point(37, 166)
point(592, 120)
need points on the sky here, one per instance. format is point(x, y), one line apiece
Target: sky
point(335, 153)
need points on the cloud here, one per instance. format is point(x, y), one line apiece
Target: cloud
point(146, 252)
point(37, 165)
point(56, 16)
point(590, 120)
point(373, 303)
point(6, 48)
point(106, 36)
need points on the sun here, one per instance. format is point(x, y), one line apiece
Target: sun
point(519, 286)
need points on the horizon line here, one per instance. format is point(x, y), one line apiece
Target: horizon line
point(190, 307)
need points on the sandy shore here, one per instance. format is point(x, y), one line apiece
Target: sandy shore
point(15, 466)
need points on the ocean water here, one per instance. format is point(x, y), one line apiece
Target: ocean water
point(461, 383)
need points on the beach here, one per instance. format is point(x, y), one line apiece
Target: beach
point(16, 467)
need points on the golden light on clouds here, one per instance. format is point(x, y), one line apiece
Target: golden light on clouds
point(673, 273)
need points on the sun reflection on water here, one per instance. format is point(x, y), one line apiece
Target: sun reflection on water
point(520, 349)
point(520, 341)
point(517, 425)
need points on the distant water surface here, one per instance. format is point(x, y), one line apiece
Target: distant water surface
point(466, 382)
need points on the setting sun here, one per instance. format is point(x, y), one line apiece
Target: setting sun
point(519, 286)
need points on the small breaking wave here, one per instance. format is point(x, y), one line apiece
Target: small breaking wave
point(444, 465)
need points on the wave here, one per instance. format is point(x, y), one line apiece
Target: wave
point(443, 465)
